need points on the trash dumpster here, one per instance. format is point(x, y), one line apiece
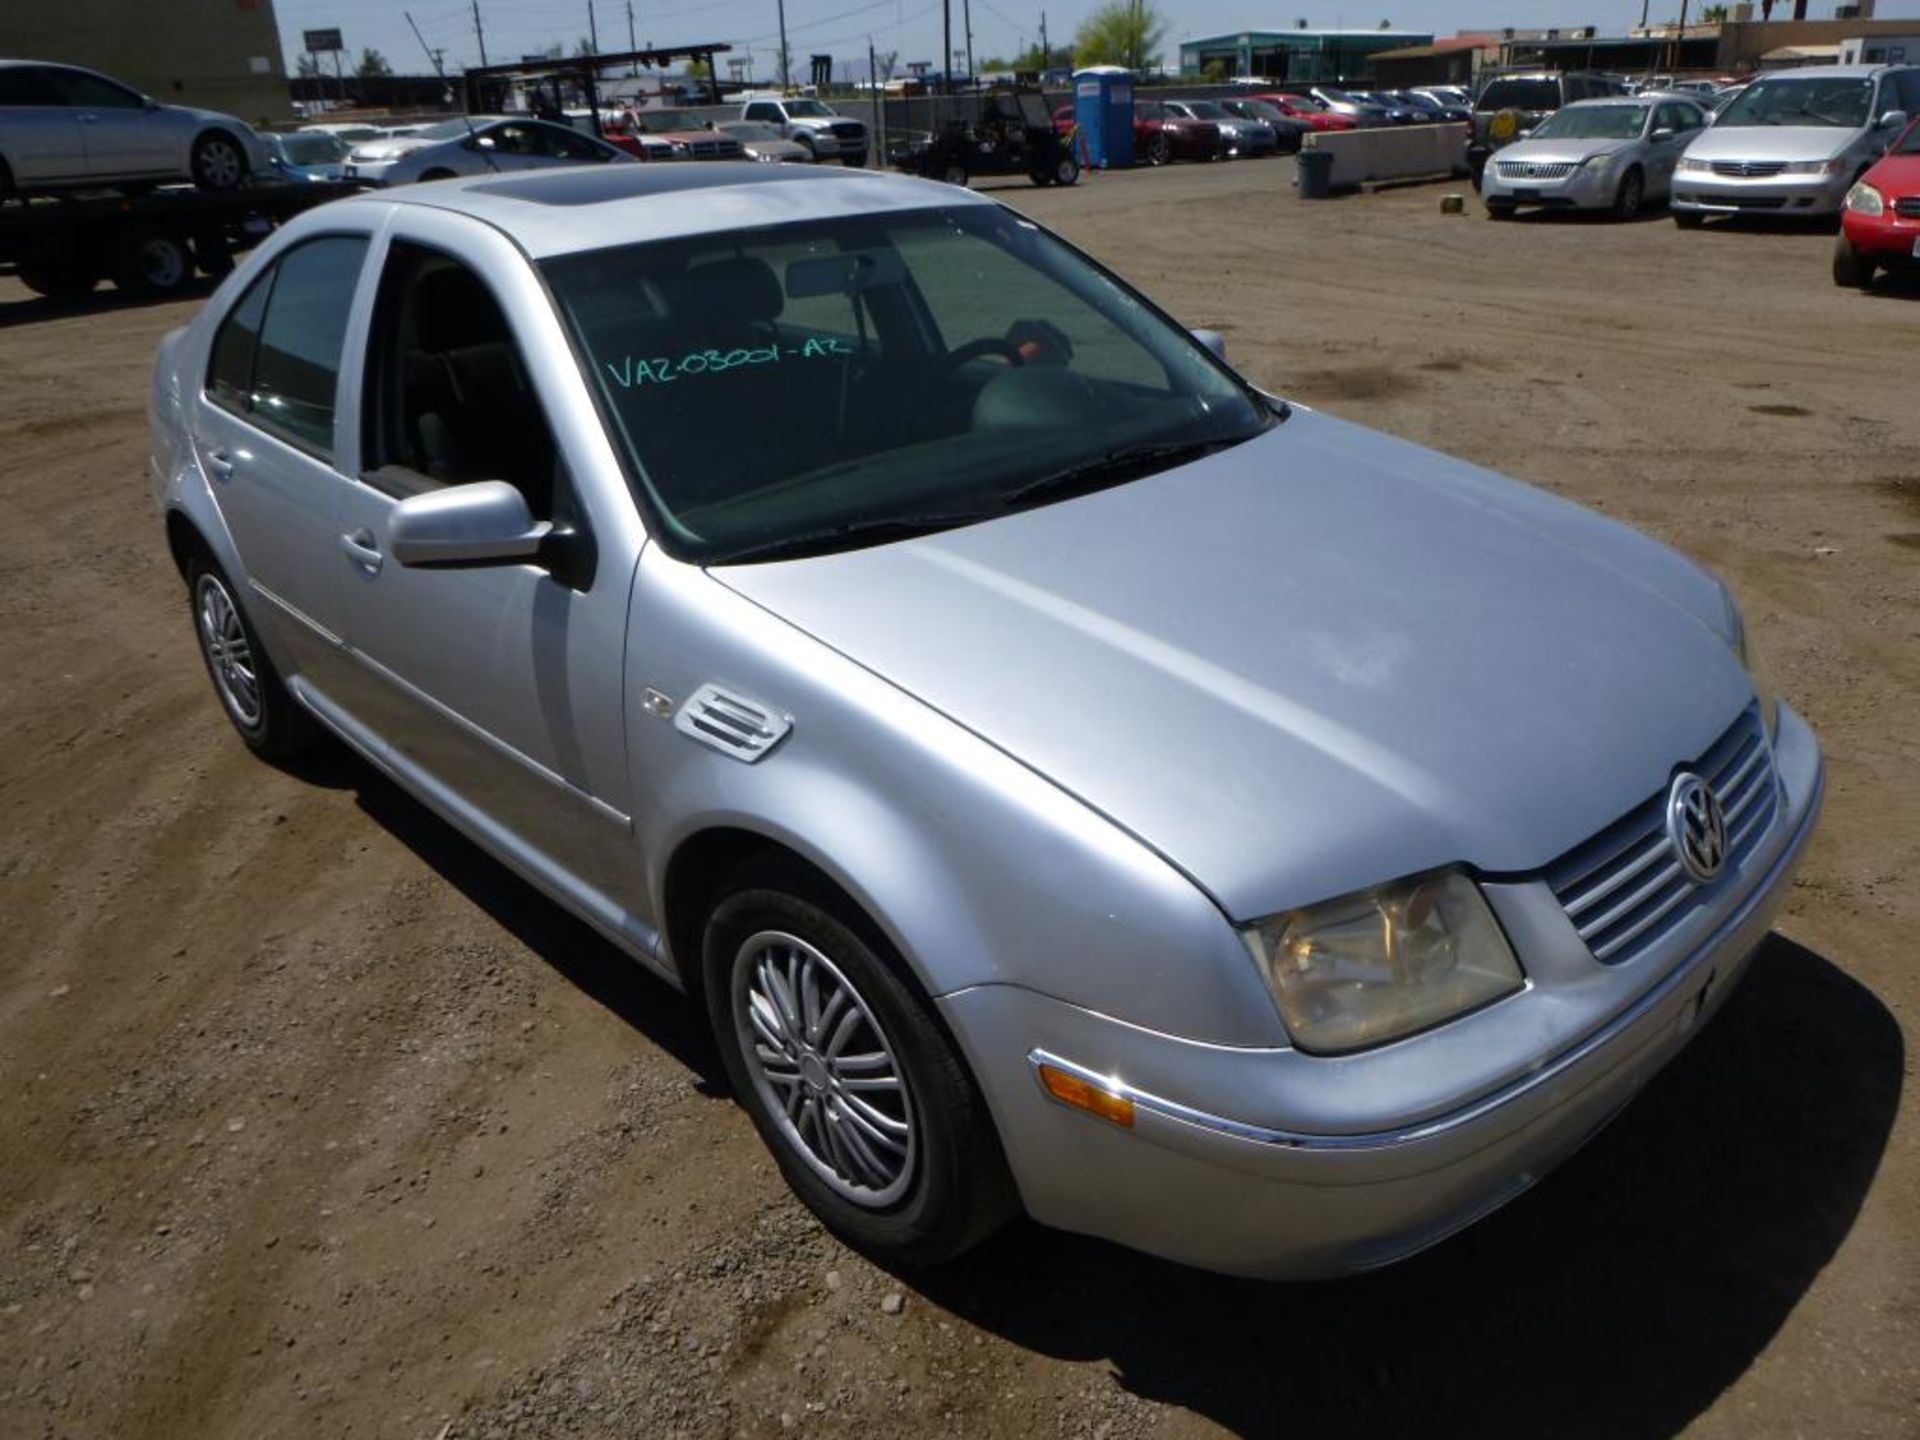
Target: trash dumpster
point(1316, 171)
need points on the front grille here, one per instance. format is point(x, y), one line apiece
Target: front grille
point(1751, 169)
point(716, 149)
point(1624, 888)
point(849, 130)
point(1536, 169)
point(1907, 205)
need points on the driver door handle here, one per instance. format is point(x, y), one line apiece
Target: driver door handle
point(363, 550)
point(220, 464)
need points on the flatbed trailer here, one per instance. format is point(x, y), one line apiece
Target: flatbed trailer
point(149, 242)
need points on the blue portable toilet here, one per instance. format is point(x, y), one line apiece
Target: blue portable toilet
point(1103, 109)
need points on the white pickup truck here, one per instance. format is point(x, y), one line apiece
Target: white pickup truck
point(825, 132)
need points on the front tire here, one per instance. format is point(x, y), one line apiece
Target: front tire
point(272, 722)
point(1632, 192)
point(1851, 269)
point(852, 1083)
point(218, 162)
point(1066, 170)
point(954, 175)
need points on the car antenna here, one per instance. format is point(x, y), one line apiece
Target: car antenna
point(433, 59)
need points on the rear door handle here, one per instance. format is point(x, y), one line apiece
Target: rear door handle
point(220, 463)
point(363, 550)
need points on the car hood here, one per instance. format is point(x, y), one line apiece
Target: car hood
point(1771, 142)
point(1559, 152)
point(1896, 175)
point(391, 149)
point(1317, 661)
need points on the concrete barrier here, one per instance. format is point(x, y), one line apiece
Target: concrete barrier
point(1392, 152)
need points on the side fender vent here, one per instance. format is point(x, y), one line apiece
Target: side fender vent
point(731, 724)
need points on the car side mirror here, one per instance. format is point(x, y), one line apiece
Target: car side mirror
point(1893, 120)
point(483, 523)
point(1214, 341)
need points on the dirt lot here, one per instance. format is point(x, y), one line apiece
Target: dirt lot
point(316, 1122)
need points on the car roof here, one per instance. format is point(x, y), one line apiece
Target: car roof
point(1830, 72)
point(589, 207)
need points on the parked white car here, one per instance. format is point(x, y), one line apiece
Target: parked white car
point(1616, 154)
point(62, 127)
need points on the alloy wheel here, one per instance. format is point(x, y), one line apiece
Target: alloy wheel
point(824, 1069)
point(229, 653)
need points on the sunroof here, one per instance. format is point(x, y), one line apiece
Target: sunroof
point(626, 182)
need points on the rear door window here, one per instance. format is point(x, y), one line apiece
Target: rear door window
point(28, 85)
point(276, 357)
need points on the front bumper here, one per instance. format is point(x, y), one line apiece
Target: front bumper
point(1589, 187)
point(1711, 194)
point(1212, 1174)
point(1891, 239)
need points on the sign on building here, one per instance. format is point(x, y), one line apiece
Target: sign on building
point(318, 42)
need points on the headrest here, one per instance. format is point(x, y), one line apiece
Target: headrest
point(727, 295)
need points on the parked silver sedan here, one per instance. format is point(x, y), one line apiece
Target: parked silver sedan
point(1614, 154)
point(1069, 778)
point(63, 127)
point(493, 147)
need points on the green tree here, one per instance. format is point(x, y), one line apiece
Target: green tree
point(307, 66)
point(1714, 15)
point(372, 62)
point(1121, 32)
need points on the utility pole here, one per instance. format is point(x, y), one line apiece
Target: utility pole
point(1046, 50)
point(946, 45)
point(966, 21)
point(593, 30)
point(785, 81)
point(480, 33)
point(1680, 38)
point(633, 66)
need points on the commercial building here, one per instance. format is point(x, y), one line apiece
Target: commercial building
point(1297, 56)
point(220, 54)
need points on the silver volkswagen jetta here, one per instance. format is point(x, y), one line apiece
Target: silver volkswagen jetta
point(1070, 778)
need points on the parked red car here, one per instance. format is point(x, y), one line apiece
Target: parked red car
point(1159, 135)
point(1880, 222)
point(1302, 107)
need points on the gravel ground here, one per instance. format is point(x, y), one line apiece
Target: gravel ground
point(316, 1122)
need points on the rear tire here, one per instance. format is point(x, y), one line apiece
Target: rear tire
point(1159, 150)
point(1066, 171)
point(218, 161)
point(273, 724)
point(66, 277)
point(935, 1182)
point(1851, 269)
point(152, 263)
point(954, 175)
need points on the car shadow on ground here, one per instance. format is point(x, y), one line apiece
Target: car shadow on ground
point(33, 309)
point(1618, 1298)
point(578, 952)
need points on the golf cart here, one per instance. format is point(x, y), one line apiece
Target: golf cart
point(1013, 136)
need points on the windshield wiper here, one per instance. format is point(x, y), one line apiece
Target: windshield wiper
point(1116, 465)
point(850, 534)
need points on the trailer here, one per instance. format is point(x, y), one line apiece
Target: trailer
point(149, 243)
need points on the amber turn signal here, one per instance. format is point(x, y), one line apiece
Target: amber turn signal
point(1084, 1095)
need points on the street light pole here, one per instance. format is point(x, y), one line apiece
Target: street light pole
point(785, 81)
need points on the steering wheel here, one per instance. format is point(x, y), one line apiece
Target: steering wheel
point(974, 349)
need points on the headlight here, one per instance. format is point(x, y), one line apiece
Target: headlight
point(1750, 659)
point(1599, 158)
point(1813, 167)
point(1384, 963)
point(1698, 167)
point(1863, 199)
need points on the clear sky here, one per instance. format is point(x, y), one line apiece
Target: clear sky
point(911, 27)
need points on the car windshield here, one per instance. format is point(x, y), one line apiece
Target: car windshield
point(1909, 144)
point(1593, 122)
point(831, 383)
point(1341, 97)
point(445, 130)
point(312, 149)
point(1206, 110)
point(1837, 103)
point(1519, 95)
point(808, 107)
point(662, 122)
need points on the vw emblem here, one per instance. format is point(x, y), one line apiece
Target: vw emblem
point(1696, 828)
